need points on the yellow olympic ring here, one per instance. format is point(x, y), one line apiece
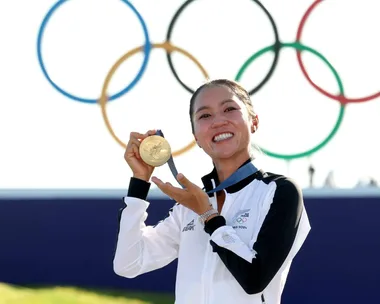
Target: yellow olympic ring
point(104, 97)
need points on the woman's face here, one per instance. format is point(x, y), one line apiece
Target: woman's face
point(222, 125)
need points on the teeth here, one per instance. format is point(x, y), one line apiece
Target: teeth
point(222, 136)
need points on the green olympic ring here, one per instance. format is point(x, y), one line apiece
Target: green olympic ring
point(301, 47)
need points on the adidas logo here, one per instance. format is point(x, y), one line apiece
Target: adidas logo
point(189, 227)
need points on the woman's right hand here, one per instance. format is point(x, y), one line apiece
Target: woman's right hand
point(140, 169)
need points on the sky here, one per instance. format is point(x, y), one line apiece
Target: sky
point(50, 141)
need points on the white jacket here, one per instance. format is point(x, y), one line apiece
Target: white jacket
point(245, 255)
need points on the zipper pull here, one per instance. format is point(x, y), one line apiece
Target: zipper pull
point(262, 298)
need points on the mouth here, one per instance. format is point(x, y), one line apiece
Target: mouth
point(222, 136)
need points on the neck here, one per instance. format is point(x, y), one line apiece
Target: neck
point(227, 166)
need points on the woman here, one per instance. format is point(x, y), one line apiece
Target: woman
point(248, 234)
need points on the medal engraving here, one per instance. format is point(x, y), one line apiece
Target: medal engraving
point(155, 150)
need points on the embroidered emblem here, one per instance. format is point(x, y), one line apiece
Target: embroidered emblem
point(240, 219)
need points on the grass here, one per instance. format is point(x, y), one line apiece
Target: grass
point(11, 294)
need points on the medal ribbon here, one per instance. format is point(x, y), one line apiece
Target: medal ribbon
point(240, 174)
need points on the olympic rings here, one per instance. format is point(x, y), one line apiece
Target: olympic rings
point(169, 48)
point(147, 49)
point(341, 98)
point(299, 46)
point(276, 48)
point(103, 99)
point(241, 220)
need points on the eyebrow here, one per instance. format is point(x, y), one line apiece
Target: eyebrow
point(207, 107)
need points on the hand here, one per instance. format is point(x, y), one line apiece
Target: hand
point(132, 156)
point(191, 196)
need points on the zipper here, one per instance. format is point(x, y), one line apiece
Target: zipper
point(262, 298)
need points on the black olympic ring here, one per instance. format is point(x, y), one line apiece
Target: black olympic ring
point(276, 47)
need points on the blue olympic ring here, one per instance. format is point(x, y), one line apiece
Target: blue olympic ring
point(147, 49)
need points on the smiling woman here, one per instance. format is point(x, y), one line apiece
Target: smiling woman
point(236, 238)
point(222, 120)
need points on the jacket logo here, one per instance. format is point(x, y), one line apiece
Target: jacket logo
point(189, 227)
point(241, 218)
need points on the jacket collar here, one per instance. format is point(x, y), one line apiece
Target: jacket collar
point(208, 185)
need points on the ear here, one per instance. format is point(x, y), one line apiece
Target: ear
point(255, 124)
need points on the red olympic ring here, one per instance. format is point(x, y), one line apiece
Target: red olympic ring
point(341, 98)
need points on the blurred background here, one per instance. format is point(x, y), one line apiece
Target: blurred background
point(62, 173)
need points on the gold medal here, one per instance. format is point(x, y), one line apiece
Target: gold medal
point(155, 150)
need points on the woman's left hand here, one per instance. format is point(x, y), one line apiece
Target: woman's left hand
point(191, 196)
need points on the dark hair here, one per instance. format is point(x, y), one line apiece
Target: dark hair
point(236, 88)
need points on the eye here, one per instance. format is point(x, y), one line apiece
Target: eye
point(204, 116)
point(230, 109)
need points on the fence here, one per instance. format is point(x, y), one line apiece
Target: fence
point(71, 241)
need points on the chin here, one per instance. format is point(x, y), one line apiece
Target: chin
point(228, 152)
point(224, 154)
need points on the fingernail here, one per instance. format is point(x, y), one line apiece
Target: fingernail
point(180, 175)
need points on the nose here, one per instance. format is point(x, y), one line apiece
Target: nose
point(219, 122)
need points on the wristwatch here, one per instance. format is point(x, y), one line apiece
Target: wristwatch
point(203, 217)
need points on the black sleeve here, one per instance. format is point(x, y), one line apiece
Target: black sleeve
point(138, 188)
point(273, 243)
